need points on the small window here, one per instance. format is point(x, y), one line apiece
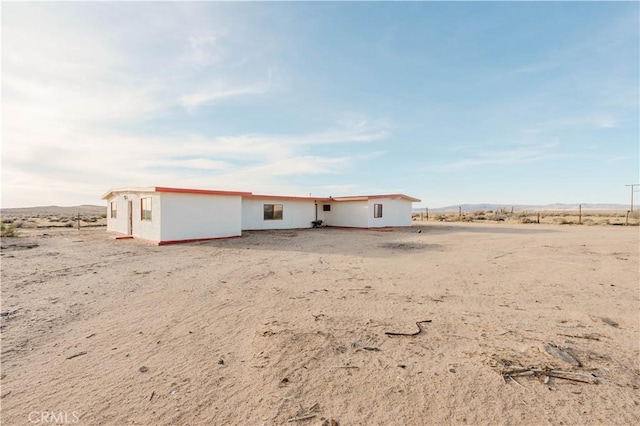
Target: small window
point(326, 208)
point(114, 210)
point(377, 210)
point(145, 208)
point(273, 212)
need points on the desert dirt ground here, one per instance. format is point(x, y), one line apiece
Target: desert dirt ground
point(285, 325)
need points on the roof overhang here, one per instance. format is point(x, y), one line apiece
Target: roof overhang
point(174, 191)
point(286, 197)
point(112, 192)
point(164, 189)
point(376, 197)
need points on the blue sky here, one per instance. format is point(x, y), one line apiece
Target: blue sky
point(506, 102)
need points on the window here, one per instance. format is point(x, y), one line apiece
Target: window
point(273, 212)
point(377, 210)
point(326, 208)
point(145, 208)
point(114, 210)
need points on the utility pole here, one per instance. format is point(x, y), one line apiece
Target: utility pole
point(633, 185)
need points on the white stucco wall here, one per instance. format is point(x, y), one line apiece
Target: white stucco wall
point(149, 230)
point(394, 213)
point(195, 216)
point(348, 213)
point(188, 216)
point(295, 214)
point(119, 224)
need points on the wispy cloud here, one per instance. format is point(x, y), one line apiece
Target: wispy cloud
point(204, 50)
point(504, 157)
point(207, 97)
point(190, 163)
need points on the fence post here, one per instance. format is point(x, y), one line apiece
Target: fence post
point(427, 208)
point(78, 221)
point(580, 214)
point(460, 212)
point(626, 221)
point(538, 217)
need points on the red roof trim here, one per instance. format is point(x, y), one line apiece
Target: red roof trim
point(286, 197)
point(376, 197)
point(258, 196)
point(201, 191)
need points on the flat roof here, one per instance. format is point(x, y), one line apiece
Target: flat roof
point(174, 190)
point(255, 196)
point(374, 197)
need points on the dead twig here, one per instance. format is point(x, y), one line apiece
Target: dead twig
point(76, 355)
point(420, 330)
point(7, 313)
point(558, 374)
point(516, 382)
point(584, 336)
point(297, 419)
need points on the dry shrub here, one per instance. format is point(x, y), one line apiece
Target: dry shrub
point(8, 230)
point(563, 221)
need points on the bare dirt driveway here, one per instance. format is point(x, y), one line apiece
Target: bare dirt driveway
point(285, 325)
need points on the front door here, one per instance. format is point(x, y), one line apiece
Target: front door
point(130, 218)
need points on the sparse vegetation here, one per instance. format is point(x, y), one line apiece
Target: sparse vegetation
point(55, 217)
point(549, 217)
point(8, 230)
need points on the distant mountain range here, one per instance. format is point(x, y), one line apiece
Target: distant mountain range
point(55, 210)
point(520, 207)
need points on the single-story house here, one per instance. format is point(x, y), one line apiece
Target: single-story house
point(172, 215)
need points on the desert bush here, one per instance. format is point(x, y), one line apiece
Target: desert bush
point(527, 220)
point(563, 221)
point(54, 219)
point(478, 213)
point(7, 220)
point(103, 215)
point(8, 230)
point(68, 224)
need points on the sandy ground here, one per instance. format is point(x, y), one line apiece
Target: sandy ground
point(279, 325)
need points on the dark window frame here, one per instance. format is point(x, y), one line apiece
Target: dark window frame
point(114, 209)
point(273, 211)
point(326, 207)
point(377, 210)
